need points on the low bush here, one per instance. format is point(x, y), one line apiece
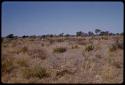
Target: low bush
point(59, 49)
point(35, 71)
point(89, 47)
point(75, 46)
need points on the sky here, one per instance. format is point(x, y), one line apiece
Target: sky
point(38, 18)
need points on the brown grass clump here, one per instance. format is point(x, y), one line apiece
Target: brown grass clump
point(7, 64)
point(104, 37)
point(24, 49)
point(115, 46)
point(62, 73)
point(22, 62)
point(89, 48)
point(82, 42)
point(38, 53)
point(75, 46)
point(60, 40)
point(35, 71)
point(59, 50)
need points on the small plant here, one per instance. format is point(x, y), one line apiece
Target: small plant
point(51, 41)
point(22, 62)
point(89, 48)
point(113, 47)
point(35, 71)
point(75, 46)
point(24, 49)
point(59, 50)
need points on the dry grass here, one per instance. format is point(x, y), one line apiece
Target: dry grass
point(7, 64)
point(38, 53)
point(97, 59)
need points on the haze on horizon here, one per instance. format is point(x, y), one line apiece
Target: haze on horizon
point(38, 18)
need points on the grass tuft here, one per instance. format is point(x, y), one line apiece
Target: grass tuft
point(59, 50)
point(35, 71)
point(89, 48)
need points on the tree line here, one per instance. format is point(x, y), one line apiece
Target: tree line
point(98, 32)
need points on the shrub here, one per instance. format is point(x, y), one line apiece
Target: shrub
point(104, 37)
point(10, 36)
point(89, 47)
point(59, 50)
point(75, 46)
point(35, 71)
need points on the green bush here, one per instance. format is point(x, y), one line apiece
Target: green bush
point(59, 50)
point(89, 48)
point(35, 71)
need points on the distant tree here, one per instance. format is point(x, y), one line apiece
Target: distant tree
point(10, 36)
point(79, 33)
point(61, 35)
point(117, 33)
point(121, 33)
point(104, 33)
point(90, 33)
point(43, 36)
point(24, 36)
point(51, 35)
point(67, 35)
point(97, 31)
point(110, 33)
point(33, 36)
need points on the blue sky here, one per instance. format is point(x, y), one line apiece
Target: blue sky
point(37, 18)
